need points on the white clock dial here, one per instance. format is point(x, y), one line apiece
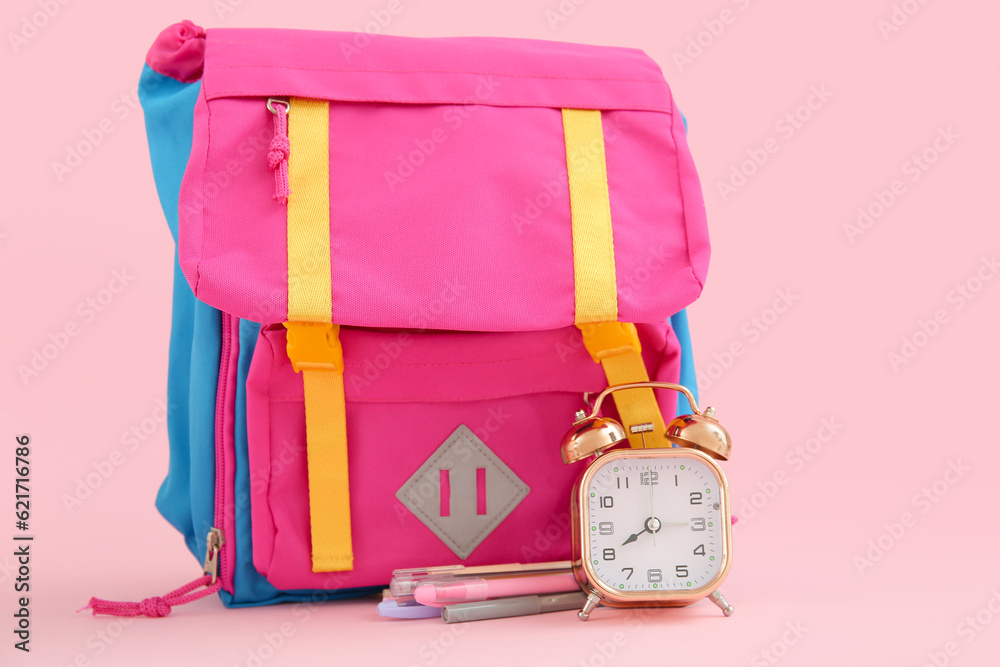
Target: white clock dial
point(655, 523)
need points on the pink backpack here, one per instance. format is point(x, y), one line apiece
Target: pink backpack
point(402, 268)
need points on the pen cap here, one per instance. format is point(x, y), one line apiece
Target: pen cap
point(402, 586)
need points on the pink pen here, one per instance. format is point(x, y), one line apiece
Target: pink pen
point(467, 590)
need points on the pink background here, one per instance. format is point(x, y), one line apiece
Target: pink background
point(824, 359)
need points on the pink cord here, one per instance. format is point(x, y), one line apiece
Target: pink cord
point(155, 607)
point(277, 154)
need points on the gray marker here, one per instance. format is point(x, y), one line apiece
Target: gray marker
point(526, 605)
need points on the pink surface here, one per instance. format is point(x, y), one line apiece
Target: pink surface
point(447, 177)
point(816, 354)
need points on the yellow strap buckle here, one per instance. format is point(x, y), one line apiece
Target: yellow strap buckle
point(315, 346)
point(610, 339)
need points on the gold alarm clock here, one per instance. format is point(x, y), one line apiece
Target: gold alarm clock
point(651, 527)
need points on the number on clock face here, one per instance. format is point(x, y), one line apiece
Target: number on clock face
point(646, 535)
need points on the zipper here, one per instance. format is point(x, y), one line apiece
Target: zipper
point(215, 538)
point(213, 568)
point(212, 553)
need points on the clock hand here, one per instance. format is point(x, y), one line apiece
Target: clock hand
point(651, 512)
point(653, 525)
point(634, 536)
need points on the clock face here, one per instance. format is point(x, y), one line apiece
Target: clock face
point(655, 523)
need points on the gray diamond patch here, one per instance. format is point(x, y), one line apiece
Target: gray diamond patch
point(462, 492)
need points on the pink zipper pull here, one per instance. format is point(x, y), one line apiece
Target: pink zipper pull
point(277, 154)
point(155, 607)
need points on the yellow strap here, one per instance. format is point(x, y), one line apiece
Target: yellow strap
point(309, 211)
point(313, 342)
point(326, 453)
point(614, 344)
point(635, 406)
point(590, 206)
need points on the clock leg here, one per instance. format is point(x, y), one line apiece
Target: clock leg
point(719, 600)
point(593, 600)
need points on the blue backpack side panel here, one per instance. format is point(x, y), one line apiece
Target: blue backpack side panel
point(187, 496)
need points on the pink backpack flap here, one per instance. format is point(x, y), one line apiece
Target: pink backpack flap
point(452, 278)
point(448, 173)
